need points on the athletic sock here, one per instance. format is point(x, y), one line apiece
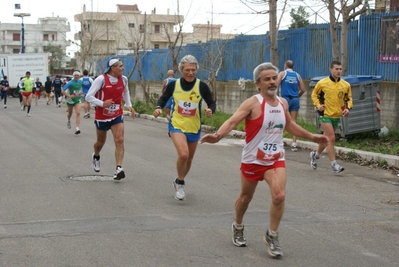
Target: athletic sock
point(177, 181)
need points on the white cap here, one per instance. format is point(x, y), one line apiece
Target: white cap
point(110, 62)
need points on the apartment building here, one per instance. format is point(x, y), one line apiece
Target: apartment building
point(206, 32)
point(128, 29)
point(386, 6)
point(110, 33)
point(47, 31)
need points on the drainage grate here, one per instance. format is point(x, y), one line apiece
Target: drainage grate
point(91, 178)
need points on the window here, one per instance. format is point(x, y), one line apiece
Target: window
point(44, 48)
point(16, 37)
point(15, 51)
point(156, 46)
point(141, 28)
point(53, 37)
point(129, 45)
point(157, 28)
point(131, 25)
point(45, 37)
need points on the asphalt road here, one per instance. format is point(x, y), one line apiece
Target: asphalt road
point(55, 211)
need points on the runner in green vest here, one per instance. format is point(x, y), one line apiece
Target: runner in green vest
point(73, 91)
point(27, 85)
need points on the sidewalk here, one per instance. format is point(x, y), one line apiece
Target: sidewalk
point(391, 160)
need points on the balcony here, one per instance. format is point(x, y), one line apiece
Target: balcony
point(161, 38)
point(98, 35)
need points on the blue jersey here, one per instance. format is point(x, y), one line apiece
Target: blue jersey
point(86, 84)
point(169, 104)
point(168, 80)
point(290, 84)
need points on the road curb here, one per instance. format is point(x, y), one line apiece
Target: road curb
point(391, 160)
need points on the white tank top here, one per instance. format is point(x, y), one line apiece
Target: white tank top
point(264, 136)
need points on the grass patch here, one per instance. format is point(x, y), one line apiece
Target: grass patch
point(367, 141)
point(218, 118)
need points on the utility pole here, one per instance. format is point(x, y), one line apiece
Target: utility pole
point(145, 31)
point(22, 15)
point(91, 39)
point(107, 39)
point(273, 32)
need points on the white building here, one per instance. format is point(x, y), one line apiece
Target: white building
point(48, 31)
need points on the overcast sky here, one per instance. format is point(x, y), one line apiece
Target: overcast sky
point(235, 16)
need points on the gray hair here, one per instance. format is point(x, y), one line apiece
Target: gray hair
point(262, 67)
point(187, 59)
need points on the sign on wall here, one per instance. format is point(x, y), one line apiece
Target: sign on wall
point(389, 40)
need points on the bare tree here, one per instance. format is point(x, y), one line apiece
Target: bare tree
point(213, 61)
point(273, 26)
point(333, 29)
point(96, 38)
point(135, 40)
point(214, 57)
point(175, 39)
point(348, 12)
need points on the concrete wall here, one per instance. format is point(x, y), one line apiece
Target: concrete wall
point(230, 95)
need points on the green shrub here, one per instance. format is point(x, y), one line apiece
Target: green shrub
point(367, 141)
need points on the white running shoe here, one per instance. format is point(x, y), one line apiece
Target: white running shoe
point(95, 164)
point(180, 194)
point(336, 168)
point(313, 160)
point(273, 245)
point(238, 236)
point(119, 173)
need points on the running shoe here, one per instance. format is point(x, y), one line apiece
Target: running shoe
point(238, 236)
point(119, 173)
point(28, 114)
point(86, 116)
point(273, 246)
point(294, 148)
point(77, 131)
point(69, 124)
point(336, 168)
point(313, 160)
point(180, 194)
point(95, 164)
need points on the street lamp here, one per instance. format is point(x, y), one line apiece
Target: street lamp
point(22, 15)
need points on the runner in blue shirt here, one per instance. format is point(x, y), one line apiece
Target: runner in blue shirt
point(291, 88)
point(86, 84)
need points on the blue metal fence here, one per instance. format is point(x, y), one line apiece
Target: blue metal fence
point(309, 48)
